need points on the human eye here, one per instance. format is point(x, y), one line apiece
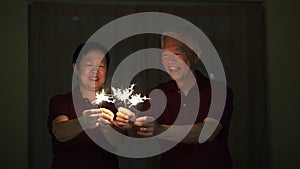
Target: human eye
point(165, 55)
point(88, 64)
point(177, 54)
point(102, 66)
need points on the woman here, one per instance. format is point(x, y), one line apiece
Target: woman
point(71, 145)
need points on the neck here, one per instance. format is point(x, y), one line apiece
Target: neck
point(186, 83)
point(89, 94)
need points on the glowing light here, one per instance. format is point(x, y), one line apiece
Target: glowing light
point(100, 97)
point(136, 99)
point(125, 95)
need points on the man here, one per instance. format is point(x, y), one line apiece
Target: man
point(183, 93)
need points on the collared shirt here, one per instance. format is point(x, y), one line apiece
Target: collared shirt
point(80, 152)
point(214, 154)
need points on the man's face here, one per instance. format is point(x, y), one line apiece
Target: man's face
point(92, 70)
point(174, 59)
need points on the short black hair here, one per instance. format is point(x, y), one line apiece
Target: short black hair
point(83, 48)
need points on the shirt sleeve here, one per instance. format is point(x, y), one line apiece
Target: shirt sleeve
point(225, 120)
point(58, 106)
point(218, 112)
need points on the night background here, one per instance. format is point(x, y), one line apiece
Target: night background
point(257, 42)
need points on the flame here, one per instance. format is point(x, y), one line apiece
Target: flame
point(125, 95)
point(100, 97)
point(136, 99)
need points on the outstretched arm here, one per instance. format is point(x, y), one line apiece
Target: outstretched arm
point(213, 129)
point(65, 129)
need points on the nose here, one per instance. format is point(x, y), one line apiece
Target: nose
point(172, 58)
point(95, 68)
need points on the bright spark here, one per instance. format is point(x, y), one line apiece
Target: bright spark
point(100, 97)
point(136, 99)
point(126, 96)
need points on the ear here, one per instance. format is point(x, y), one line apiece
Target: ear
point(199, 54)
point(75, 69)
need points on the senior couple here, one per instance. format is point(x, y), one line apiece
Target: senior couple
point(73, 148)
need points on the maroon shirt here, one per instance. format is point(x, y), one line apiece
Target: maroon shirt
point(80, 152)
point(209, 155)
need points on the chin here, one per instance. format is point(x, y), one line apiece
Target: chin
point(174, 77)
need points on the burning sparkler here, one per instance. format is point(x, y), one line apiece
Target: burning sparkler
point(100, 97)
point(136, 99)
point(127, 98)
point(124, 95)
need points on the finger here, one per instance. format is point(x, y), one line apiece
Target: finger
point(94, 111)
point(107, 112)
point(126, 111)
point(145, 134)
point(95, 116)
point(144, 124)
point(91, 111)
point(122, 115)
point(107, 117)
point(145, 119)
point(122, 120)
point(121, 124)
point(146, 130)
point(107, 122)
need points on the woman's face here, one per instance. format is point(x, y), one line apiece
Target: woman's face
point(174, 59)
point(92, 70)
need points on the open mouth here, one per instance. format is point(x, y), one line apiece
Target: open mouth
point(174, 69)
point(93, 78)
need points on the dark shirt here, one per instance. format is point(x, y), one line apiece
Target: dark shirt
point(208, 155)
point(80, 152)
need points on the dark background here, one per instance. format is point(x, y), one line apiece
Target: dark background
point(260, 61)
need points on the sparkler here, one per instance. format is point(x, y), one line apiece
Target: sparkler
point(127, 98)
point(100, 97)
point(124, 95)
point(136, 99)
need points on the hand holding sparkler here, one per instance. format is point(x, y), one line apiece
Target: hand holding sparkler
point(144, 126)
point(124, 116)
point(92, 118)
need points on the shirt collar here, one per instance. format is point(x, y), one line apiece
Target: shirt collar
point(202, 82)
point(77, 95)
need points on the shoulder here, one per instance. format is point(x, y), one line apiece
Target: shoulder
point(221, 86)
point(61, 98)
point(217, 85)
point(59, 105)
point(166, 85)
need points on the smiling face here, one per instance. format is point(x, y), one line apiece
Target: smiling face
point(175, 59)
point(91, 70)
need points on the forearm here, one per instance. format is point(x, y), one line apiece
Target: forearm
point(178, 131)
point(67, 130)
point(191, 137)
